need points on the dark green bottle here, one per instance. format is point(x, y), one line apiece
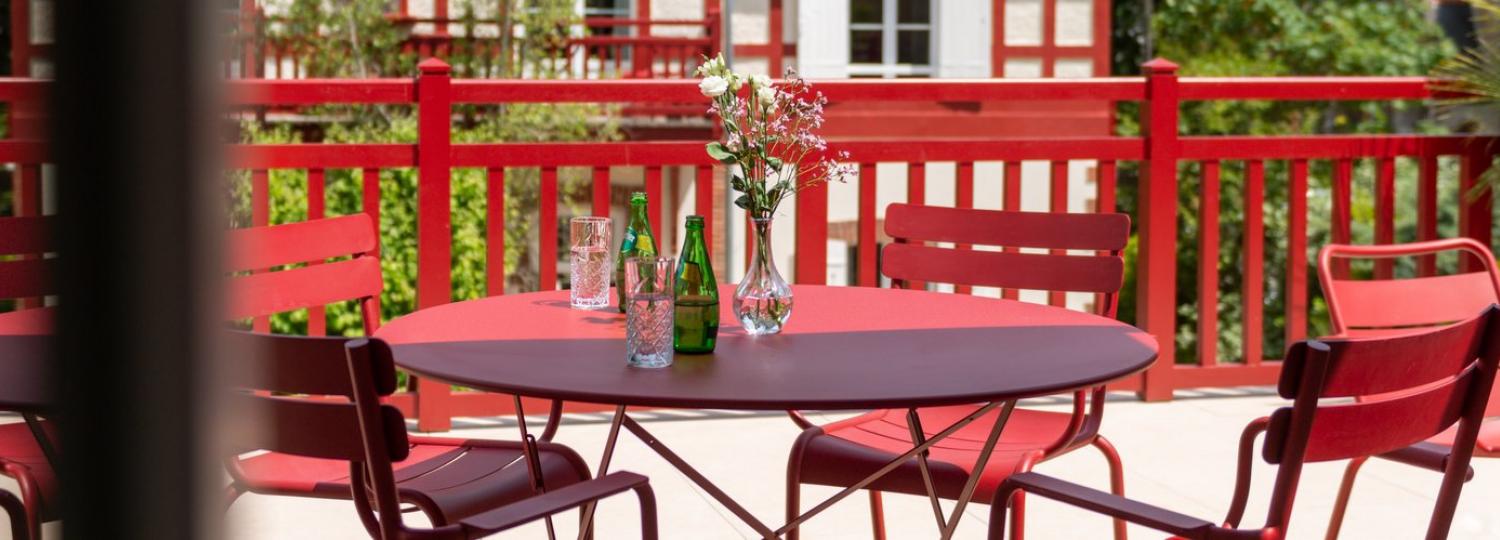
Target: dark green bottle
point(696, 298)
point(638, 243)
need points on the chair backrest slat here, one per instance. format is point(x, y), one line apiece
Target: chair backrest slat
point(269, 292)
point(274, 292)
point(1397, 303)
point(322, 420)
point(301, 365)
point(1046, 230)
point(1099, 269)
point(1357, 306)
point(1367, 367)
point(1007, 270)
point(1415, 387)
point(258, 248)
point(1350, 430)
point(25, 235)
point(27, 278)
point(318, 429)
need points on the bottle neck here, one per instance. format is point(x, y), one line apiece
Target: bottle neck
point(693, 247)
point(638, 219)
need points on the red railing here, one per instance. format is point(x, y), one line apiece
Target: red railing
point(643, 53)
point(1160, 152)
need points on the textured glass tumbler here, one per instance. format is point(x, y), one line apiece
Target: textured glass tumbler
point(648, 312)
point(589, 262)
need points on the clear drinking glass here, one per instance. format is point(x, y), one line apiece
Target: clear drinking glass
point(589, 262)
point(648, 313)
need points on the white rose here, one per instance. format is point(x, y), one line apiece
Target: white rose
point(766, 94)
point(713, 86)
point(761, 81)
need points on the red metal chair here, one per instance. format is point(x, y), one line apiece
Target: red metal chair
point(1385, 306)
point(353, 446)
point(21, 457)
point(845, 452)
point(1429, 382)
point(443, 497)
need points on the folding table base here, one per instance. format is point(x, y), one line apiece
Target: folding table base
point(920, 446)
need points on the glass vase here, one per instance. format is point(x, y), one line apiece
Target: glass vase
point(763, 300)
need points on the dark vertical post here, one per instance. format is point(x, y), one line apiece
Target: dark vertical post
point(434, 219)
point(140, 197)
point(1156, 262)
point(20, 38)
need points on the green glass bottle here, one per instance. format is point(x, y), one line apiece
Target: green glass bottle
point(638, 243)
point(696, 297)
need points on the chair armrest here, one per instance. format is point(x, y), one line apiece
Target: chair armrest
point(1427, 456)
point(552, 502)
point(1106, 503)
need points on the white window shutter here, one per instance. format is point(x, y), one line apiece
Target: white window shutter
point(963, 36)
point(823, 39)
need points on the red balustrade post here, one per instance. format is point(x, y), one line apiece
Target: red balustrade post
point(812, 236)
point(642, 53)
point(249, 40)
point(1474, 215)
point(1156, 259)
point(440, 17)
point(776, 40)
point(713, 30)
point(434, 219)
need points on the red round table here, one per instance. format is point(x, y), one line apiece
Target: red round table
point(843, 348)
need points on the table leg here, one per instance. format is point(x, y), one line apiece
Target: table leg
point(533, 461)
point(984, 458)
point(713, 491)
point(918, 450)
point(42, 440)
point(587, 523)
point(892, 464)
point(918, 436)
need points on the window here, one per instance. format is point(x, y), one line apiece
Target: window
point(607, 9)
point(890, 38)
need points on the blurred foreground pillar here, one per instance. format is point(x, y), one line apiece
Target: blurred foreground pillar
point(139, 195)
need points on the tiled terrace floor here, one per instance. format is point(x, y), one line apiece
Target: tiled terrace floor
point(1180, 455)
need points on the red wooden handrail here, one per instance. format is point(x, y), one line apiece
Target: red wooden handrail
point(317, 91)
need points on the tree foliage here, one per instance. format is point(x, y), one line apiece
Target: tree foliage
point(1279, 38)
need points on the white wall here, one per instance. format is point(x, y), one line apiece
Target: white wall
point(823, 44)
point(962, 38)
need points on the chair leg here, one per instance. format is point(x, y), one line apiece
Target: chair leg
point(648, 511)
point(877, 515)
point(998, 509)
point(1017, 501)
point(793, 499)
point(20, 521)
point(1018, 516)
point(31, 496)
point(1346, 488)
point(1116, 477)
